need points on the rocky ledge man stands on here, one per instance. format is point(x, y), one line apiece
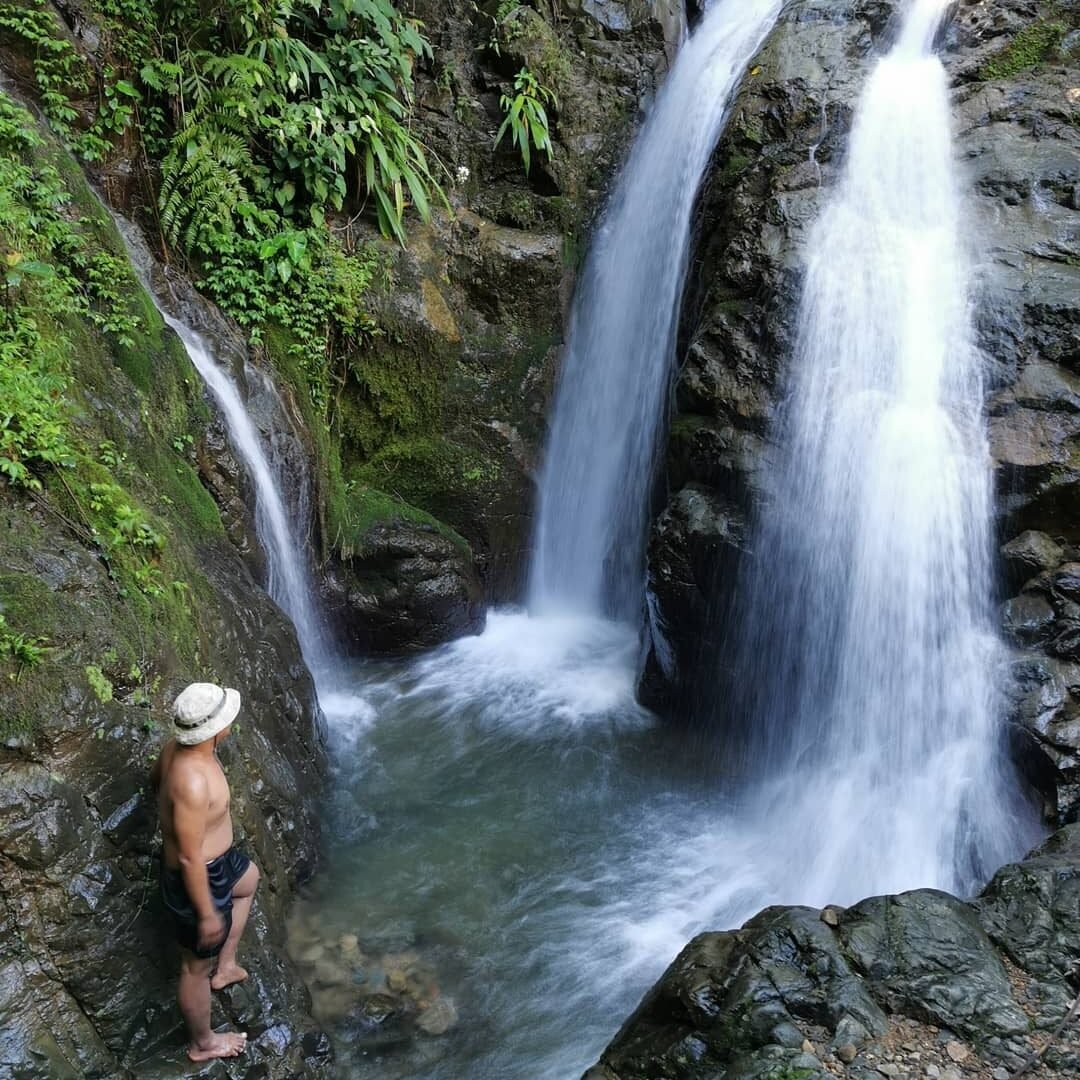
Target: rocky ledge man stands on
point(207, 885)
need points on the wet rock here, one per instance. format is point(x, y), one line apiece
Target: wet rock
point(925, 954)
point(696, 541)
point(1028, 554)
point(408, 587)
point(1032, 909)
point(1028, 618)
point(922, 963)
point(438, 1018)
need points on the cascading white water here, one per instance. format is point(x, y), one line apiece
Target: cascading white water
point(869, 647)
point(288, 578)
point(287, 556)
point(593, 504)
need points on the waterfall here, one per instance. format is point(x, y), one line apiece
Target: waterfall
point(593, 509)
point(868, 654)
point(288, 577)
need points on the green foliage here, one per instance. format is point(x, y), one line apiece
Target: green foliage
point(50, 275)
point(59, 72)
point(279, 108)
point(1031, 46)
point(99, 682)
point(117, 103)
point(501, 15)
point(24, 650)
point(304, 283)
point(526, 116)
point(118, 524)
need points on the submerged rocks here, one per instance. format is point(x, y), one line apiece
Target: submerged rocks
point(367, 996)
point(919, 984)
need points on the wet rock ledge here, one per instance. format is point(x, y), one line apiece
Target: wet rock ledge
point(915, 985)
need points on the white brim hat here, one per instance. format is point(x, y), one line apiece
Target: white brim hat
point(202, 710)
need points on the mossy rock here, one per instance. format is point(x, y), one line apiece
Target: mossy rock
point(363, 508)
point(1033, 45)
point(453, 482)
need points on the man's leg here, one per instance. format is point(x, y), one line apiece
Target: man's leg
point(228, 970)
point(193, 995)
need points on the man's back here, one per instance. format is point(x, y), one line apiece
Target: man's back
point(193, 797)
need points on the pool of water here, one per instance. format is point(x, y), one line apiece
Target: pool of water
point(515, 846)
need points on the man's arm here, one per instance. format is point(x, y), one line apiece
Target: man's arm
point(190, 809)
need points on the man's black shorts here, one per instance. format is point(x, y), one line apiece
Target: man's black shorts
point(223, 873)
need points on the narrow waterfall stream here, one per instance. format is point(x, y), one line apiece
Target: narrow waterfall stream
point(509, 835)
point(288, 579)
point(279, 531)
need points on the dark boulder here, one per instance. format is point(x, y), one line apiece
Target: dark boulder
point(893, 986)
point(406, 586)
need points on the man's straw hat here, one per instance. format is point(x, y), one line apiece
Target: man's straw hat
point(201, 710)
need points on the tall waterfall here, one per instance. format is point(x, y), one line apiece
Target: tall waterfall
point(868, 648)
point(593, 505)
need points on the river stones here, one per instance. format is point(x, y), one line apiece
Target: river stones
point(438, 1018)
point(364, 997)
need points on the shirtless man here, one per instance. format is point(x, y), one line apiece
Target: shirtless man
point(207, 885)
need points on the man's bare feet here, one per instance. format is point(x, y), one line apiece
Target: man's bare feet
point(226, 976)
point(224, 1045)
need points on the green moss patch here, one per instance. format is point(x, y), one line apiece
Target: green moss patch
point(1033, 45)
point(394, 393)
point(445, 478)
point(362, 508)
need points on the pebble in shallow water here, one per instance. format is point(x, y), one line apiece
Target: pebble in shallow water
point(383, 996)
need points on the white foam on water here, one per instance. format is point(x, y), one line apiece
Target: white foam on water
point(538, 674)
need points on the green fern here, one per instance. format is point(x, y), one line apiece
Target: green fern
point(204, 180)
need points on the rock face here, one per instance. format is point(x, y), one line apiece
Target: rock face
point(445, 410)
point(1018, 138)
point(410, 587)
point(1015, 108)
point(906, 985)
point(87, 968)
point(771, 173)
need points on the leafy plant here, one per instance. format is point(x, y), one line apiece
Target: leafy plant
point(25, 650)
point(118, 523)
point(99, 682)
point(277, 125)
point(526, 116)
point(59, 72)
